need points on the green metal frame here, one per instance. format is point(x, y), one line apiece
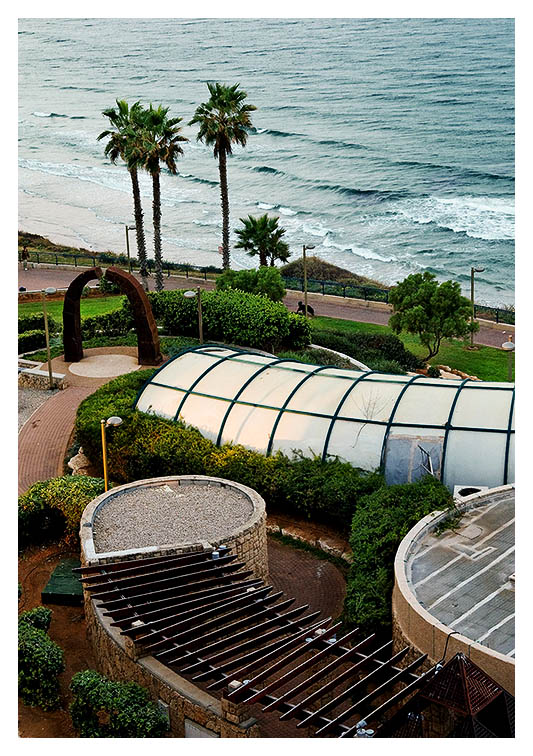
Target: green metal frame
point(237, 354)
point(507, 443)
point(335, 415)
point(282, 409)
point(391, 419)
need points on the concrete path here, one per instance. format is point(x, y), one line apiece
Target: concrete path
point(489, 334)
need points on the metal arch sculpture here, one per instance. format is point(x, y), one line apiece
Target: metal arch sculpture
point(72, 343)
point(148, 346)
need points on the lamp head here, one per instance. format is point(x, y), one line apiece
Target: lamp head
point(478, 270)
point(189, 294)
point(509, 346)
point(309, 246)
point(50, 290)
point(113, 421)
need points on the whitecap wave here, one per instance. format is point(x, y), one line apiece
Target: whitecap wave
point(368, 254)
point(265, 206)
point(287, 211)
point(489, 218)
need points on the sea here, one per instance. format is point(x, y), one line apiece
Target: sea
point(388, 144)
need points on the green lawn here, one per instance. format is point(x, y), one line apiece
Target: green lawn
point(487, 363)
point(88, 307)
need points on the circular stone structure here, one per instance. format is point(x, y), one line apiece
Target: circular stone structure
point(175, 514)
point(454, 588)
point(105, 366)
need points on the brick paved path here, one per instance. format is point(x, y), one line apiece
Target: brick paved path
point(330, 306)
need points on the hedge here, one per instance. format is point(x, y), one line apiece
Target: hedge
point(265, 280)
point(378, 527)
point(105, 709)
point(379, 351)
point(233, 317)
point(53, 508)
point(40, 660)
point(146, 446)
point(31, 340)
point(116, 323)
point(35, 322)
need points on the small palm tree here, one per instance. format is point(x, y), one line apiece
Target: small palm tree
point(160, 145)
point(124, 136)
point(223, 121)
point(262, 236)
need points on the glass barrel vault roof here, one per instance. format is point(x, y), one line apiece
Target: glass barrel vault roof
point(463, 431)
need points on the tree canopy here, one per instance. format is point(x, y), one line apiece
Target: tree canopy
point(431, 310)
point(263, 236)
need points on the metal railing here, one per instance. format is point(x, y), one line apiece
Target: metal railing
point(315, 285)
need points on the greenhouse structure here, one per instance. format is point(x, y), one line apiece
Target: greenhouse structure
point(461, 431)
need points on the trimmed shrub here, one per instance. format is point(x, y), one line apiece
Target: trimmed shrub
point(371, 348)
point(35, 322)
point(433, 372)
point(378, 527)
point(105, 709)
point(31, 340)
point(39, 617)
point(105, 286)
point(265, 280)
point(40, 661)
point(54, 507)
point(233, 317)
point(116, 323)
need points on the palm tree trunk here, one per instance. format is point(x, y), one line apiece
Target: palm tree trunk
point(157, 232)
point(139, 226)
point(224, 199)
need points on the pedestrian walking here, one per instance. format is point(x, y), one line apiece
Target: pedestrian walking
point(25, 256)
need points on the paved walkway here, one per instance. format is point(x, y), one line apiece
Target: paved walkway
point(328, 305)
point(44, 438)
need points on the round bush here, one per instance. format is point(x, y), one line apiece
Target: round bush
point(40, 661)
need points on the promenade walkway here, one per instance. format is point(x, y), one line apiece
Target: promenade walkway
point(328, 305)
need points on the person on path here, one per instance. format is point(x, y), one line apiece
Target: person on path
point(25, 256)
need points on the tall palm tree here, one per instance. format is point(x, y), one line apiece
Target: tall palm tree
point(223, 121)
point(124, 135)
point(262, 236)
point(160, 145)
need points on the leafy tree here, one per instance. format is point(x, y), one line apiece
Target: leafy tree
point(127, 123)
point(262, 236)
point(433, 311)
point(223, 120)
point(160, 144)
point(265, 280)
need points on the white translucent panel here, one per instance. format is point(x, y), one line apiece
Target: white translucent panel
point(160, 401)
point(510, 463)
point(205, 414)
point(482, 408)
point(226, 379)
point(474, 459)
point(319, 394)
point(184, 370)
point(342, 373)
point(371, 401)
point(249, 426)
point(387, 378)
point(253, 359)
point(272, 387)
point(357, 443)
point(303, 432)
point(427, 405)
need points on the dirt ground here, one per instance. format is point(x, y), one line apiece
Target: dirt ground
point(67, 629)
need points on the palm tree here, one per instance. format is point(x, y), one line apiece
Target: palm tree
point(160, 145)
point(223, 121)
point(262, 236)
point(127, 123)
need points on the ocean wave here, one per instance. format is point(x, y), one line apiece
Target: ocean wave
point(488, 218)
point(265, 206)
point(198, 179)
point(468, 173)
point(287, 210)
point(364, 252)
point(267, 169)
point(38, 114)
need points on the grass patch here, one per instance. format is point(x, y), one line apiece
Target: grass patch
point(295, 543)
point(88, 307)
point(487, 363)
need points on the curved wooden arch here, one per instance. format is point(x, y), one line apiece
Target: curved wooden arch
point(148, 345)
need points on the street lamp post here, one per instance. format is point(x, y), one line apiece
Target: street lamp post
point(44, 293)
point(190, 295)
point(472, 271)
point(128, 228)
point(111, 422)
point(509, 347)
point(305, 248)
